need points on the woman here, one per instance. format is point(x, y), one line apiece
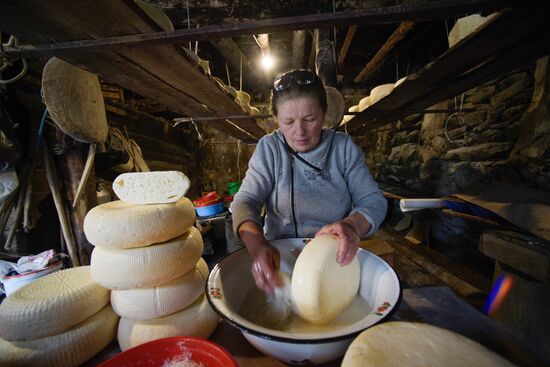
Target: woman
point(311, 180)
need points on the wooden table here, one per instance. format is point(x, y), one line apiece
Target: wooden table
point(432, 305)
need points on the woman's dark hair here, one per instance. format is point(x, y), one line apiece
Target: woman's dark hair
point(295, 84)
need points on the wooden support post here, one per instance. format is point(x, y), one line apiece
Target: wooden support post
point(298, 49)
point(72, 167)
point(325, 60)
point(397, 35)
point(347, 43)
point(312, 52)
point(53, 182)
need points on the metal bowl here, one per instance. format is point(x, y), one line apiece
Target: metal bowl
point(230, 280)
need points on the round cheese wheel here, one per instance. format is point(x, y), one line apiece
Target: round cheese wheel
point(364, 103)
point(398, 83)
point(51, 305)
point(71, 348)
point(243, 97)
point(346, 119)
point(354, 108)
point(198, 320)
point(416, 344)
point(156, 187)
point(379, 92)
point(117, 225)
point(321, 288)
point(146, 267)
point(162, 300)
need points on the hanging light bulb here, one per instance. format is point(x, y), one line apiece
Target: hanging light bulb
point(267, 62)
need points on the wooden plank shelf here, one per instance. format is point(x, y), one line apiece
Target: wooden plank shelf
point(163, 73)
point(526, 253)
point(515, 36)
point(398, 193)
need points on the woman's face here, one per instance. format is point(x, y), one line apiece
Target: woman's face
point(301, 121)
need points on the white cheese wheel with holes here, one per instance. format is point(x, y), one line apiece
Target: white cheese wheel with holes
point(51, 305)
point(118, 225)
point(417, 345)
point(198, 320)
point(146, 267)
point(70, 348)
point(162, 300)
point(321, 288)
point(379, 92)
point(155, 187)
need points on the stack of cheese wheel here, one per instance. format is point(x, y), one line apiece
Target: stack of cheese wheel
point(61, 319)
point(149, 254)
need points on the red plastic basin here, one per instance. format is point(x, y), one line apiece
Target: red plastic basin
point(163, 352)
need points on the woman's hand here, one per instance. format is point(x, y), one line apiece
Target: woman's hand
point(265, 263)
point(348, 231)
point(265, 258)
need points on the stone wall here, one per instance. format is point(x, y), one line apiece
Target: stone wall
point(221, 159)
point(224, 159)
point(439, 154)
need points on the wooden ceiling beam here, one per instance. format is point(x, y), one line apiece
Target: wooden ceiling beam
point(408, 11)
point(233, 54)
point(373, 65)
point(163, 72)
point(345, 46)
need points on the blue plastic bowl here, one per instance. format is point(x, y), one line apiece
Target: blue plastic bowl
point(206, 211)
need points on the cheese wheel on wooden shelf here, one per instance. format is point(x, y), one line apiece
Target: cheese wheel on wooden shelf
point(364, 103)
point(162, 300)
point(118, 225)
point(51, 305)
point(415, 344)
point(198, 320)
point(70, 348)
point(399, 82)
point(379, 92)
point(321, 288)
point(156, 187)
point(146, 267)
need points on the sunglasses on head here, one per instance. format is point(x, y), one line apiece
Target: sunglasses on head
point(299, 77)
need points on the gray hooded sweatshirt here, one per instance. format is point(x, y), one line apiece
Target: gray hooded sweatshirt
point(304, 191)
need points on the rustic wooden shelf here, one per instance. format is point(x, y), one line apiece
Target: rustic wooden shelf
point(163, 73)
point(515, 36)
